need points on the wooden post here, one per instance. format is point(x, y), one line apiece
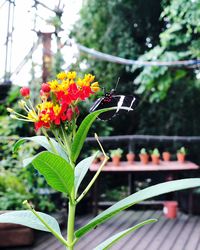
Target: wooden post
point(47, 56)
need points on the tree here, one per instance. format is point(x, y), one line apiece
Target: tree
point(122, 28)
point(179, 41)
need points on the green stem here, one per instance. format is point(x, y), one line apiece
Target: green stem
point(67, 145)
point(97, 173)
point(93, 180)
point(70, 225)
point(50, 142)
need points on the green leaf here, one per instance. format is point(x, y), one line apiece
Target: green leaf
point(28, 160)
point(57, 171)
point(115, 238)
point(141, 195)
point(81, 170)
point(27, 218)
point(42, 140)
point(83, 131)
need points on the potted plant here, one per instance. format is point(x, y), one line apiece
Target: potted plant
point(101, 156)
point(144, 157)
point(12, 194)
point(97, 158)
point(155, 156)
point(166, 156)
point(181, 153)
point(116, 155)
point(130, 157)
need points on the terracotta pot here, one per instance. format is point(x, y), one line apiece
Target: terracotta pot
point(180, 157)
point(130, 158)
point(15, 235)
point(116, 160)
point(170, 209)
point(102, 157)
point(166, 156)
point(144, 158)
point(95, 161)
point(155, 159)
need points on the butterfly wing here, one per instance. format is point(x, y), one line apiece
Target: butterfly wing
point(113, 101)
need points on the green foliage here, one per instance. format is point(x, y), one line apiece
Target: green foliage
point(143, 30)
point(27, 218)
point(182, 150)
point(44, 142)
point(115, 238)
point(121, 28)
point(12, 191)
point(139, 196)
point(82, 169)
point(143, 151)
point(116, 194)
point(179, 41)
point(57, 171)
point(131, 25)
point(155, 152)
point(116, 152)
point(83, 131)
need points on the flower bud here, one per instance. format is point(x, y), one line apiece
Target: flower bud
point(45, 88)
point(13, 116)
point(21, 103)
point(95, 87)
point(69, 114)
point(25, 92)
point(10, 110)
point(77, 110)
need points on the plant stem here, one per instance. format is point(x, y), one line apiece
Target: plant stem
point(50, 142)
point(97, 173)
point(93, 180)
point(70, 225)
point(66, 142)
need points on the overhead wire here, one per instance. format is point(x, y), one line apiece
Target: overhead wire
point(140, 63)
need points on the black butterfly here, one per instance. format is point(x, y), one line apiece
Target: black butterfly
point(122, 102)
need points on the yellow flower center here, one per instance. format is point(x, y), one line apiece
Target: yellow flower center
point(71, 75)
point(45, 118)
point(54, 85)
point(57, 109)
point(62, 75)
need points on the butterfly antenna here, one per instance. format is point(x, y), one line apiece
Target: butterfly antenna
point(104, 90)
point(117, 83)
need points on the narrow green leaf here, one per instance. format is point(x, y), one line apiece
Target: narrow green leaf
point(29, 160)
point(42, 140)
point(27, 218)
point(141, 195)
point(81, 170)
point(83, 131)
point(57, 171)
point(115, 238)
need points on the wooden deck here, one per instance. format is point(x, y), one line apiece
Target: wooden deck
point(182, 233)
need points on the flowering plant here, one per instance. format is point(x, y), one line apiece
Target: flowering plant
point(57, 114)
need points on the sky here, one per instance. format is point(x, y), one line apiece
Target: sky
point(24, 36)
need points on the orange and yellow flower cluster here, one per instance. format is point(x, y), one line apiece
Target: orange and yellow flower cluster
point(59, 99)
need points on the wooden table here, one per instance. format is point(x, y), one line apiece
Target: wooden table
point(171, 167)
